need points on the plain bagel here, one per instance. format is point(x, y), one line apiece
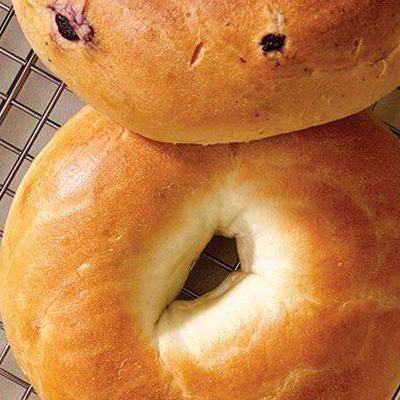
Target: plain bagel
point(106, 224)
point(219, 71)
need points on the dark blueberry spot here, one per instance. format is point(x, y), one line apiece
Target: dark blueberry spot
point(65, 28)
point(243, 60)
point(272, 42)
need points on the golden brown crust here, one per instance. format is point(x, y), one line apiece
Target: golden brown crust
point(102, 231)
point(195, 72)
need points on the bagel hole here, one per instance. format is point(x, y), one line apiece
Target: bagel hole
point(218, 260)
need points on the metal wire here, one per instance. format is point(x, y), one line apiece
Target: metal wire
point(8, 101)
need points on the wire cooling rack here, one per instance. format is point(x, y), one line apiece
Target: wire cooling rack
point(33, 105)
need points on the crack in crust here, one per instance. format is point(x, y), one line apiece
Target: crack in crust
point(197, 53)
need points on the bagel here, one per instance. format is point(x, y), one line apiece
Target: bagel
point(106, 223)
point(219, 71)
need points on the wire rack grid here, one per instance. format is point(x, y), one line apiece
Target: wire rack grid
point(33, 105)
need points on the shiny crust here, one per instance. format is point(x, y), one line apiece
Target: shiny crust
point(106, 223)
point(194, 72)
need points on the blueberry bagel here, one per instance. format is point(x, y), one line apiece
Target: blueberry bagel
point(219, 71)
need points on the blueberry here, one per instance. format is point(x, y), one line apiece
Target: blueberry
point(65, 28)
point(272, 42)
